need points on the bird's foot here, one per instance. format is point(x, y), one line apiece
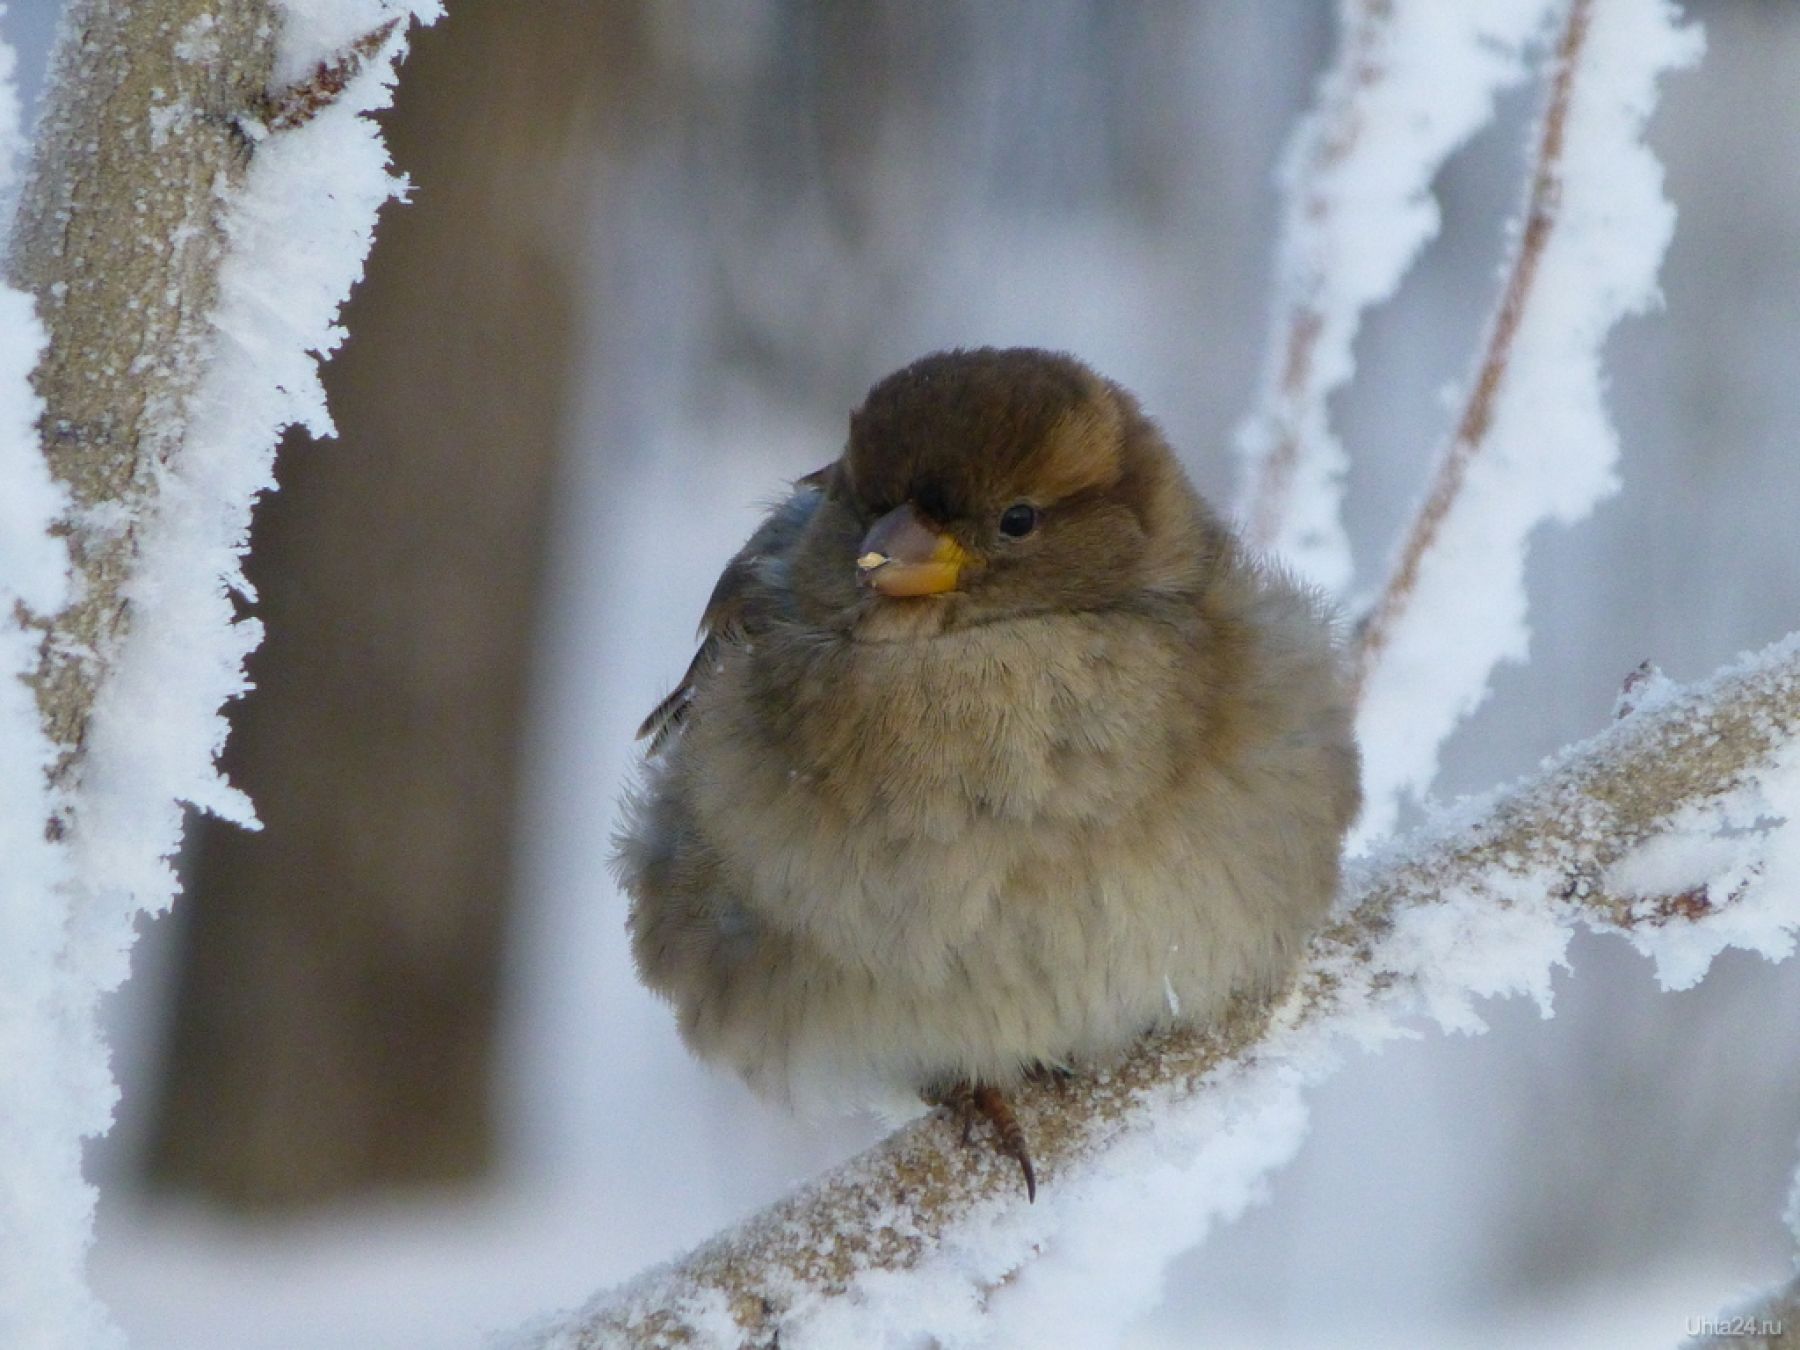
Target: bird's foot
point(972, 1100)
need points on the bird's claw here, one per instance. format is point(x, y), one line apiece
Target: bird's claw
point(969, 1100)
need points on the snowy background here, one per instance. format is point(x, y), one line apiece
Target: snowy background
point(772, 236)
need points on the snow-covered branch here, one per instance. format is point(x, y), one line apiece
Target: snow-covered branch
point(120, 235)
point(1678, 826)
point(1478, 412)
point(1410, 84)
point(1532, 442)
point(187, 263)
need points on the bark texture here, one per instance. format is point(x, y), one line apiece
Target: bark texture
point(119, 239)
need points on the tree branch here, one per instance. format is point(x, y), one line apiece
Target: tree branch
point(1410, 84)
point(1539, 854)
point(185, 299)
point(120, 238)
point(1295, 402)
point(1477, 414)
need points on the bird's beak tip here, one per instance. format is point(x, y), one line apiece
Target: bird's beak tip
point(903, 556)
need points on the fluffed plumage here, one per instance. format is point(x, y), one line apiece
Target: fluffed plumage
point(999, 750)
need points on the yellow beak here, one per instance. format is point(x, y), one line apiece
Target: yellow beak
point(903, 556)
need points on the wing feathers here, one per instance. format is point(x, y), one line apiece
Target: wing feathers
point(723, 620)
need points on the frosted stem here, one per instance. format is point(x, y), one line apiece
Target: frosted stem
point(1477, 416)
point(1298, 394)
point(1411, 82)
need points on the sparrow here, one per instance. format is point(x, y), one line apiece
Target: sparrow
point(999, 750)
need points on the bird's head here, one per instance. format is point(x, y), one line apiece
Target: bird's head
point(988, 484)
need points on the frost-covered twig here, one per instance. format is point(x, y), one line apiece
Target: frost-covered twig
point(1532, 442)
point(303, 100)
point(187, 273)
point(1292, 406)
point(119, 239)
point(1478, 412)
point(1412, 81)
point(1696, 791)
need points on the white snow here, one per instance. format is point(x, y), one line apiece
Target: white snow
point(1550, 453)
point(1159, 1192)
point(299, 232)
point(1739, 857)
point(54, 1089)
point(1411, 85)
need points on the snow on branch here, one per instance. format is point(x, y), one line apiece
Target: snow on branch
point(187, 262)
point(41, 1283)
point(1412, 81)
point(1678, 826)
point(119, 237)
point(1532, 442)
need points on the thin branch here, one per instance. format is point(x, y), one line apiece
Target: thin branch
point(1542, 850)
point(1298, 394)
point(300, 102)
point(1477, 416)
point(1410, 84)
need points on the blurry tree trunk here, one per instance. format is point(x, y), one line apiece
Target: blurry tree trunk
point(335, 1018)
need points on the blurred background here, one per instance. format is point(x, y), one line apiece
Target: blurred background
point(389, 1078)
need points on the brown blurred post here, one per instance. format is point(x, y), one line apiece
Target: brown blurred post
point(334, 1025)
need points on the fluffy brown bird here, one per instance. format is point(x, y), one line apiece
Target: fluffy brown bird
point(999, 750)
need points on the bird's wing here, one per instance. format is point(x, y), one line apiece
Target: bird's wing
point(725, 611)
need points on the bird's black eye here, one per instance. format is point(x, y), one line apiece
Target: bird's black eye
point(1018, 520)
